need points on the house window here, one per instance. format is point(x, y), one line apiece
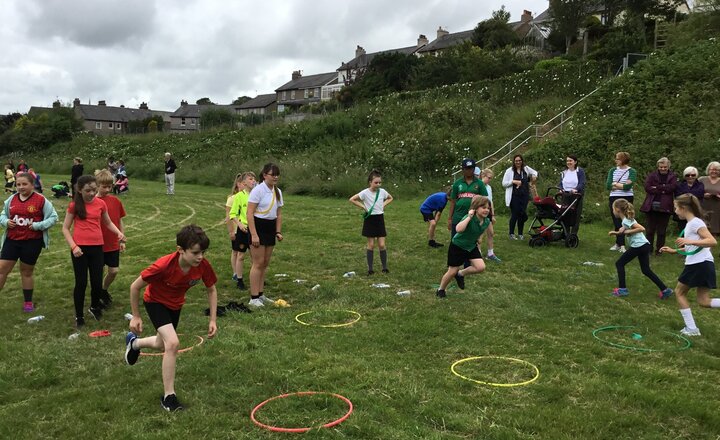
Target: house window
point(98, 126)
point(317, 91)
point(292, 94)
point(182, 122)
point(284, 96)
point(307, 93)
point(192, 121)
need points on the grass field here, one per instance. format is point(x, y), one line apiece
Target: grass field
point(539, 305)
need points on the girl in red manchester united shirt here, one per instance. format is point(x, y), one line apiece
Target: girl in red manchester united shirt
point(26, 217)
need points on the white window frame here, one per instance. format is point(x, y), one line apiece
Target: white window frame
point(292, 94)
point(307, 93)
point(284, 95)
point(98, 125)
point(192, 121)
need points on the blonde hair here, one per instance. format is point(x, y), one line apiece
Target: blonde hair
point(627, 208)
point(712, 164)
point(103, 177)
point(487, 172)
point(690, 203)
point(239, 177)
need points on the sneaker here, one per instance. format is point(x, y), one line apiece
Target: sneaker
point(241, 284)
point(28, 307)
point(434, 244)
point(690, 331)
point(460, 280)
point(79, 322)
point(235, 277)
point(521, 237)
point(95, 313)
point(370, 272)
point(494, 258)
point(440, 293)
point(665, 294)
point(615, 247)
point(620, 291)
point(131, 354)
point(105, 300)
point(622, 249)
point(266, 300)
point(171, 403)
point(512, 237)
point(385, 271)
point(256, 302)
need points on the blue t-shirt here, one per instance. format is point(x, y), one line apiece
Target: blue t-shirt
point(634, 240)
point(435, 202)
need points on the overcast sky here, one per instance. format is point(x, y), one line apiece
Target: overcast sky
point(162, 51)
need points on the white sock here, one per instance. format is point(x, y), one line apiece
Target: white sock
point(460, 272)
point(688, 318)
point(133, 344)
point(490, 251)
point(715, 303)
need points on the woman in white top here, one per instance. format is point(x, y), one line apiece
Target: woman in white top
point(264, 217)
point(699, 271)
point(572, 182)
point(516, 181)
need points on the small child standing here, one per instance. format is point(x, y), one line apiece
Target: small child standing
point(112, 246)
point(464, 244)
point(373, 201)
point(699, 272)
point(486, 176)
point(638, 246)
point(431, 210)
point(240, 235)
point(165, 282)
point(236, 187)
point(9, 180)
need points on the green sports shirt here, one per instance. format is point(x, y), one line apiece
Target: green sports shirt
point(468, 238)
point(463, 193)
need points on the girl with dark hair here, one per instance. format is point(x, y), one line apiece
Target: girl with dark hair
point(695, 242)
point(85, 214)
point(26, 217)
point(373, 201)
point(516, 181)
point(75, 173)
point(264, 218)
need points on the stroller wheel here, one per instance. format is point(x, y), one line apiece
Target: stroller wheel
point(572, 241)
point(537, 242)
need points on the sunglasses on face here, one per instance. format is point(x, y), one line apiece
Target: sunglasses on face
point(690, 175)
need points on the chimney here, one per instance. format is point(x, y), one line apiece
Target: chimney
point(57, 104)
point(441, 32)
point(296, 74)
point(143, 106)
point(526, 17)
point(76, 102)
point(359, 51)
point(122, 105)
point(101, 103)
point(422, 41)
point(183, 103)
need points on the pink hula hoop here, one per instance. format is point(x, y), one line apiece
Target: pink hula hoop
point(301, 430)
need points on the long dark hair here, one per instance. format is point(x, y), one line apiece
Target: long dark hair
point(523, 163)
point(271, 168)
point(80, 209)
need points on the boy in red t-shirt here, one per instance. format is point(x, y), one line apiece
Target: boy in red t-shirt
point(112, 246)
point(167, 280)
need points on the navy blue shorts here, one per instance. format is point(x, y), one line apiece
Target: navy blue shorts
point(699, 275)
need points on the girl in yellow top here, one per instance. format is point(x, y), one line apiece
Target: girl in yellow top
point(238, 224)
point(9, 179)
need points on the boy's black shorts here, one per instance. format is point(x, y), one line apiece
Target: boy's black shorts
point(161, 315)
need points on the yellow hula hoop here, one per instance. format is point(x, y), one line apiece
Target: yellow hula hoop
point(358, 316)
point(504, 385)
point(182, 350)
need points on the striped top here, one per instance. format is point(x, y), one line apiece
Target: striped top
point(620, 175)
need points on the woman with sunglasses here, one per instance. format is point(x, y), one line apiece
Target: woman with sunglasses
point(690, 185)
point(660, 188)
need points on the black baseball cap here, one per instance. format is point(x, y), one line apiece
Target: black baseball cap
point(468, 163)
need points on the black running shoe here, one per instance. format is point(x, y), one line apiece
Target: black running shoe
point(440, 293)
point(95, 313)
point(79, 322)
point(460, 281)
point(131, 354)
point(170, 403)
point(105, 299)
point(241, 284)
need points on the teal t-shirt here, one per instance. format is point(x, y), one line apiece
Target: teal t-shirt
point(463, 192)
point(634, 240)
point(468, 238)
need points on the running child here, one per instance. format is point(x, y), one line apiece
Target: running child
point(699, 271)
point(112, 246)
point(9, 180)
point(165, 282)
point(486, 176)
point(464, 244)
point(638, 246)
point(86, 213)
point(26, 217)
point(373, 201)
point(431, 210)
point(240, 234)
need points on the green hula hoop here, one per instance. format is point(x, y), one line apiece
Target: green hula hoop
point(492, 384)
point(352, 312)
point(629, 347)
point(687, 254)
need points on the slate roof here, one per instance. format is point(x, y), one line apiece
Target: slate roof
point(112, 114)
point(34, 111)
point(446, 41)
point(260, 101)
point(365, 59)
point(309, 81)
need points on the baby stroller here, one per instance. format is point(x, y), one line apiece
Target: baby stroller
point(561, 210)
point(62, 189)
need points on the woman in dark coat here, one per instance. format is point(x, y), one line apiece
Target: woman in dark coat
point(691, 185)
point(658, 205)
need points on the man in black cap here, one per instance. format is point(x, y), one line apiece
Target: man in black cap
point(461, 195)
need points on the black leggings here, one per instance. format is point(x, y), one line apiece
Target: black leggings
point(643, 255)
point(92, 261)
point(617, 222)
point(518, 213)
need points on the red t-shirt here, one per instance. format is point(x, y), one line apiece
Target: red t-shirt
point(88, 232)
point(115, 211)
point(167, 283)
point(24, 214)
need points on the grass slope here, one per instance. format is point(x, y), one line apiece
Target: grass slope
point(539, 305)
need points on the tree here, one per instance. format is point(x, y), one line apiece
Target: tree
point(39, 132)
point(495, 32)
point(204, 101)
point(568, 16)
point(241, 100)
point(216, 117)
